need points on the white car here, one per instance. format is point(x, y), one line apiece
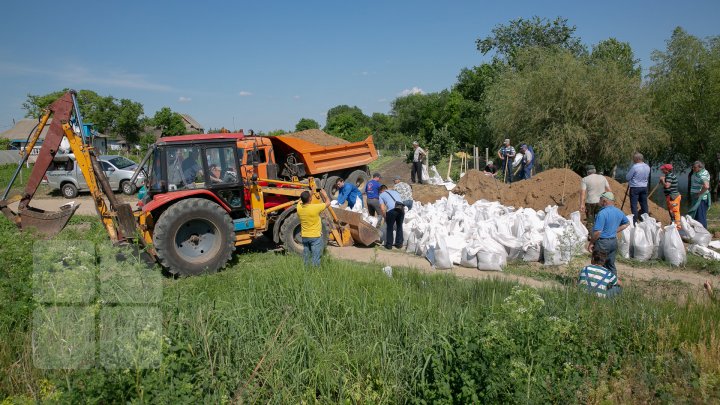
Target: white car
point(65, 175)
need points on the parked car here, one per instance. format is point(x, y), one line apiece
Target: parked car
point(64, 174)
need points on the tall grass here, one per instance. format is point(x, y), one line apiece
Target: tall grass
point(268, 330)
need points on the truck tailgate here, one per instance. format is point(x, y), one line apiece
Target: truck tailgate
point(323, 159)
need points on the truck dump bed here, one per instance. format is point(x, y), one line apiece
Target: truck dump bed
point(323, 159)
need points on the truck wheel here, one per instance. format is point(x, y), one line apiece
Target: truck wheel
point(290, 234)
point(330, 187)
point(69, 190)
point(194, 236)
point(127, 187)
point(359, 178)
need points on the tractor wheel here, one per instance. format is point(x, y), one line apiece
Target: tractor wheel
point(359, 178)
point(127, 187)
point(69, 190)
point(290, 234)
point(330, 187)
point(194, 236)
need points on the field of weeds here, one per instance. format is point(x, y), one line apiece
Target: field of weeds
point(266, 330)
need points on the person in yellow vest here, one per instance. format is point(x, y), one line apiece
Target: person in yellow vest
point(311, 226)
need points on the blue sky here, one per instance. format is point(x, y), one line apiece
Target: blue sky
point(265, 65)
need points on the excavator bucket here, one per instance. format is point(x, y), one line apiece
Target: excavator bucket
point(361, 232)
point(46, 223)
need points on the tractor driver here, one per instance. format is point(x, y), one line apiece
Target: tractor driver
point(191, 167)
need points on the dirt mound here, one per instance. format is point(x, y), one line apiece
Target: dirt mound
point(476, 185)
point(318, 137)
point(428, 193)
point(540, 191)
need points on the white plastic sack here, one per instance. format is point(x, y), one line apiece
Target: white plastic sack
point(438, 254)
point(468, 257)
point(491, 255)
point(358, 207)
point(643, 247)
point(455, 244)
point(673, 247)
point(704, 252)
point(701, 235)
point(625, 239)
point(552, 252)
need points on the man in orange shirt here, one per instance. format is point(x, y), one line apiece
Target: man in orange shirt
point(311, 226)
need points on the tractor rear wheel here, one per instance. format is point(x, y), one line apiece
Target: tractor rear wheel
point(290, 234)
point(359, 178)
point(331, 187)
point(194, 236)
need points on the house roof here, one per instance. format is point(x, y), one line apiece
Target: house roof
point(25, 126)
point(191, 124)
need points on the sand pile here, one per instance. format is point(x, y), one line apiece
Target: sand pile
point(317, 136)
point(543, 189)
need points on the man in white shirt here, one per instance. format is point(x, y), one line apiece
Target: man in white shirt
point(591, 187)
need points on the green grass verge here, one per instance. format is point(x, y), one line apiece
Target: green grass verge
point(267, 330)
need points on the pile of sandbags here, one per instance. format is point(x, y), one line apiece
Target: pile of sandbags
point(485, 235)
point(648, 240)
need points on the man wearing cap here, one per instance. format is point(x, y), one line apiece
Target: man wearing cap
point(418, 156)
point(669, 183)
point(507, 155)
point(591, 187)
point(527, 162)
point(405, 192)
point(637, 178)
point(372, 193)
point(609, 221)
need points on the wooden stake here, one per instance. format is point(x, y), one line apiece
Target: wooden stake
point(449, 165)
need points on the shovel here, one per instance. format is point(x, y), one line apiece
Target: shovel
point(562, 198)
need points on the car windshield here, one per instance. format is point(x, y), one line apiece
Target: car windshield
point(121, 162)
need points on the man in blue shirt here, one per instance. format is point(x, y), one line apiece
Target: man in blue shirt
point(394, 214)
point(608, 222)
point(637, 178)
point(347, 192)
point(372, 194)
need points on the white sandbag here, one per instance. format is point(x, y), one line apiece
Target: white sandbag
point(491, 261)
point(438, 254)
point(701, 235)
point(687, 232)
point(551, 246)
point(411, 243)
point(580, 230)
point(625, 239)
point(673, 247)
point(358, 207)
point(643, 247)
point(455, 244)
point(468, 257)
point(704, 252)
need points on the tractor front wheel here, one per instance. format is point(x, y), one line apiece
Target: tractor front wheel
point(194, 236)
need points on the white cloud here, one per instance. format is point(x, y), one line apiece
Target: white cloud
point(296, 97)
point(364, 73)
point(414, 90)
point(184, 99)
point(244, 93)
point(79, 75)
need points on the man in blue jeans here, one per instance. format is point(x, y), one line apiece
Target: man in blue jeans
point(311, 226)
point(394, 214)
point(637, 178)
point(608, 222)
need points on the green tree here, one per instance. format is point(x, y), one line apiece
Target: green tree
point(170, 122)
point(573, 112)
point(306, 123)
point(349, 123)
point(129, 122)
point(507, 40)
point(612, 50)
point(35, 104)
point(685, 85)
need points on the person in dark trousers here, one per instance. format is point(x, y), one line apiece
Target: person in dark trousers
point(394, 212)
point(372, 194)
point(507, 156)
point(637, 178)
point(528, 161)
point(699, 193)
point(609, 221)
point(418, 156)
point(311, 226)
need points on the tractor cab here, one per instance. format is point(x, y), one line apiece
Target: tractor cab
point(189, 164)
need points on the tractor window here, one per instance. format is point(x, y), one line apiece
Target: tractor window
point(184, 168)
point(222, 167)
point(155, 175)
point(256, 156)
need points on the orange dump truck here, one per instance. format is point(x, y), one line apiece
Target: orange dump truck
point(282, 157)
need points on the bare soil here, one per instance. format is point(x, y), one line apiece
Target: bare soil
point(317, 137)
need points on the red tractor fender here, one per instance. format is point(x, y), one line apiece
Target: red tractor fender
point(162, 201)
